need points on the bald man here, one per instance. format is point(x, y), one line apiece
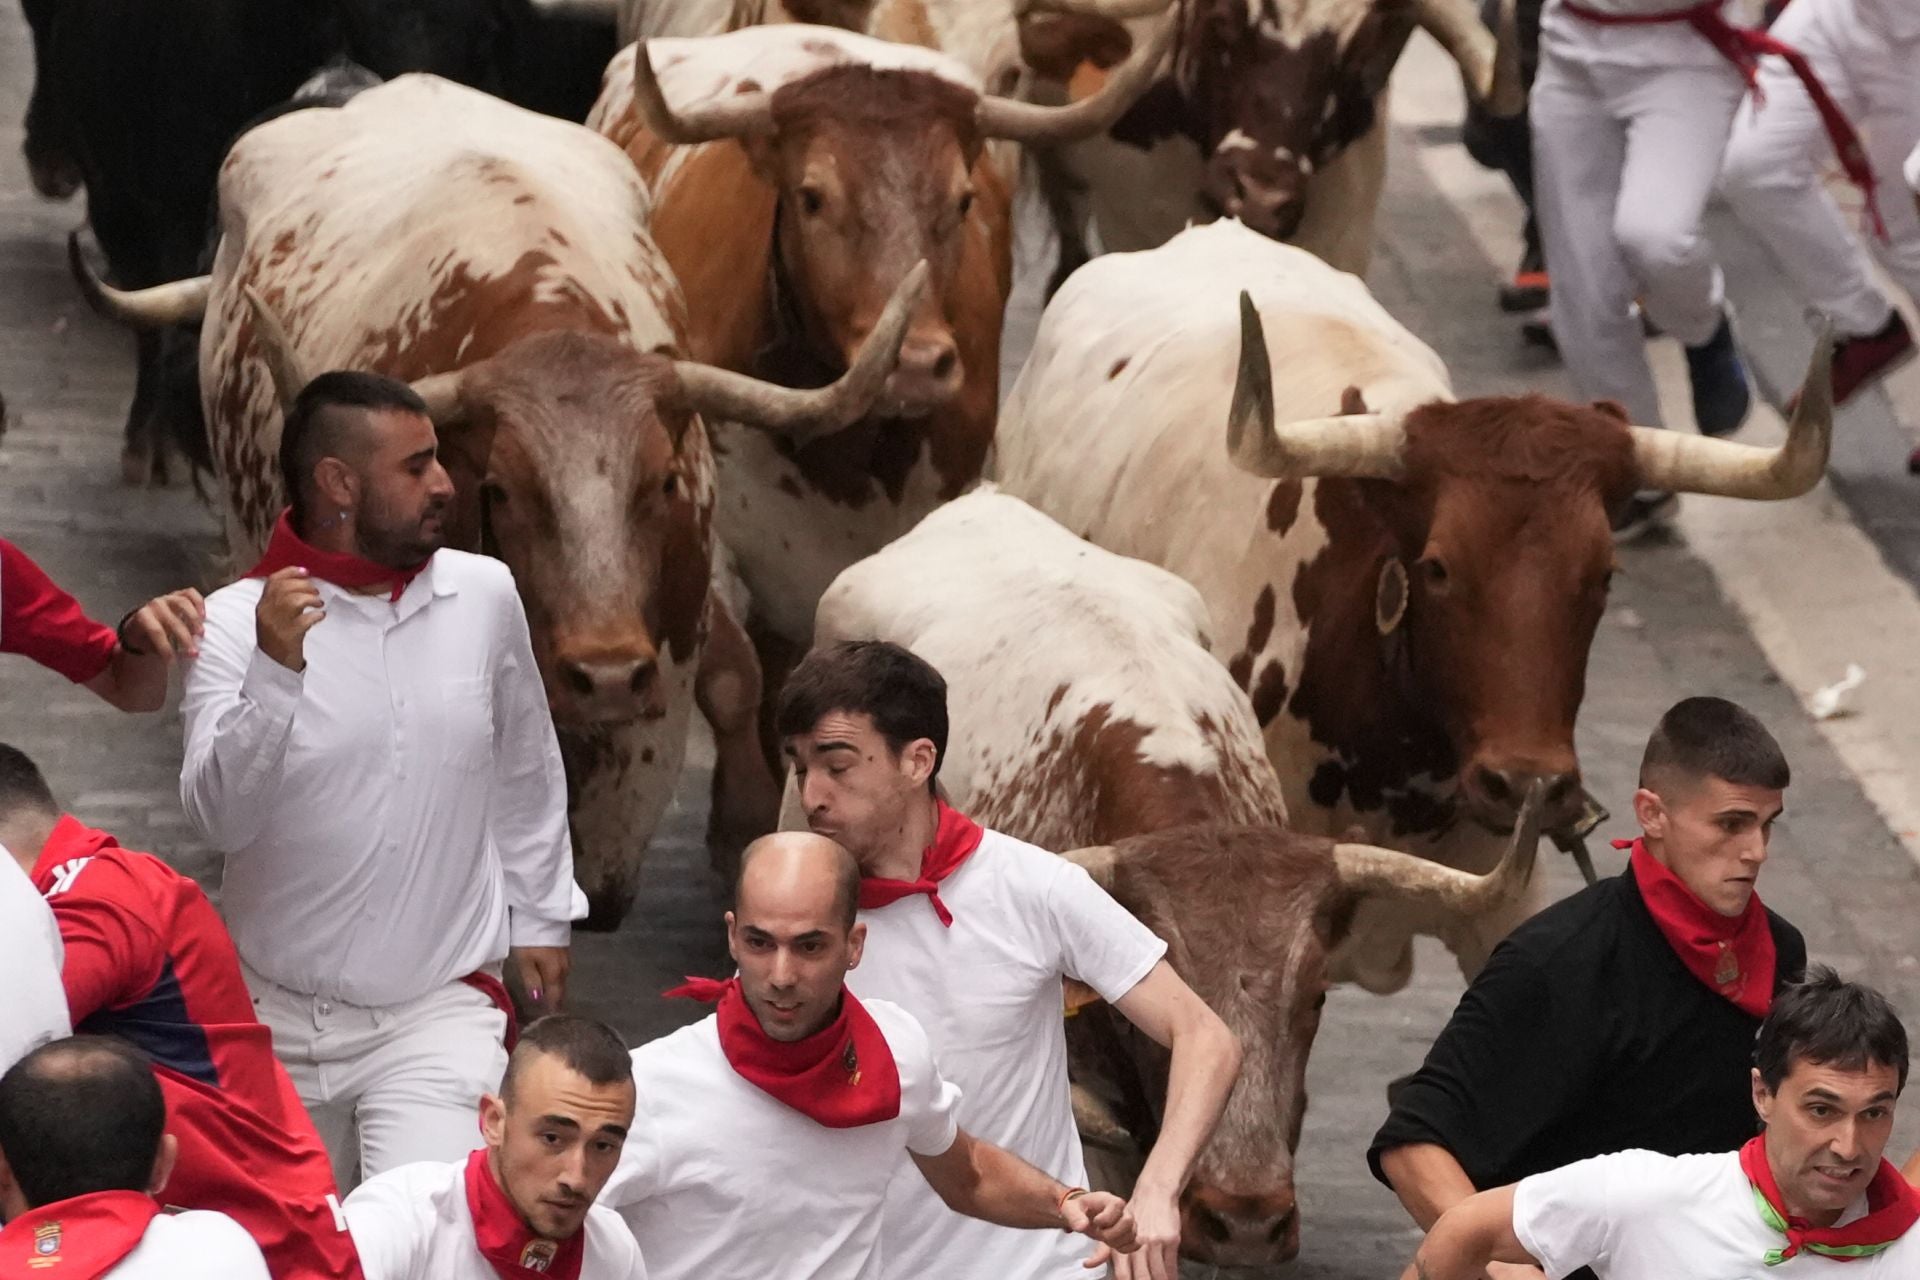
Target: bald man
point(765, 1134)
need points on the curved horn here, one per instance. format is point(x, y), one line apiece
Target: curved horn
point(1030, 123)
point(1489, 60)
point(1114, 10)
point(441, 391)
point(805, 416)
point(289, 378)
point(607, 11)
point(179, 302)
point(1701, 464)
point(1097, 860)
point(737, 115)
point(1095, 1119)
point(1363, 445)
point(1388, 873)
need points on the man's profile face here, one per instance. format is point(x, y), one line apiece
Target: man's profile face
point(1827, 1128)
point(794, 950)
point(404, 491)
point(1714, 835)
point(855, 788)
point(555, 1142)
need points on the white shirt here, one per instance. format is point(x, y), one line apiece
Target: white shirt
point(1666, 44)
point(988, 991)
point(1641, 1216)
point(201, 1244)
point(720, 1181)
point(35, 1008)
point(1896, 21)
point(395, 815)
point(412, 1223)
point(1913, 170)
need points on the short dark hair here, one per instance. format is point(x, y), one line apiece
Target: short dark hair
point(22, 787)
point(81, 1115)
point(900, 691)
point(1713, 738)
point(312, 432)
point(593, 1049)
point(1831, 1022)
point(846, 877)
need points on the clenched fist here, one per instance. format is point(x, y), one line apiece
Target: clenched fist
point(289, 608)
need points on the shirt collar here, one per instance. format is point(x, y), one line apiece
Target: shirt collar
point(436, 580)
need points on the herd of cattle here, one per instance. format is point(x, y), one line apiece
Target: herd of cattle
point(1228, 587)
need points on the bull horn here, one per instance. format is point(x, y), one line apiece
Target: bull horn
point(289, 378)
point(1113, 10)
point(178, 302)
point(736, 115)
point(1701, 464)
point(441, 391)
point(1361, 445)
point(805, 416)
point(1388, 873)
point(607, 11)
point(1489, 60)
point(1098, 861)
point(1095, 1119)
point(1031, 123)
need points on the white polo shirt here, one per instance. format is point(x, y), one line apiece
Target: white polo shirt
point(412, 1223)
point(35, 1008)
point(988, 992)
point(719, 1181)
point(394, 816)
point(1641, 1216)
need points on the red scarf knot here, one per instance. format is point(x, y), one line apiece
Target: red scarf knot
point(78, 1239)
point(954, 840)
point(842, 1076)
point(1732, 955)
point(287, 550)
point(1893, 1206)
point(510, 1246)
point(1743, 47)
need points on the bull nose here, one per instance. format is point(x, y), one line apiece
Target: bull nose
point(612, 687)
point(928, 375)
point(1495, 794)
point(1232, 1230)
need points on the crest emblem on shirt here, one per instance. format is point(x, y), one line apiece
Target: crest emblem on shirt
point(1727, 972)
point(46, 1245)
point(538, 1255)
point(850, 1059)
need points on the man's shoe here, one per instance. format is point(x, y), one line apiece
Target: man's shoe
point(1860, 361)
point(1528, 291)
point(1641, 514)
point(1721, 396)
point(1537, 330)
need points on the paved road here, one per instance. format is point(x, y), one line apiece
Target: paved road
point(1670, 631)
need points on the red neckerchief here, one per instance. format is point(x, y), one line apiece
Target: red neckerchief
point(78, 1239)
point(287, 549)
point(1743, 47)
point(842, 1076)
point(513, 1249)
point(1733, 955)
point(954, 841)
point(1893, 1206)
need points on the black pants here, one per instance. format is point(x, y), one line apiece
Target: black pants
point(1507, 145)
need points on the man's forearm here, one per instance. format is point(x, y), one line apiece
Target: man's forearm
point(1005, 1190)
point(1428, 1180)
point(1448, 1255)
point(1206, 1062)
point(133, 682)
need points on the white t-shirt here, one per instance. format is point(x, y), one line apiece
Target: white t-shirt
point(1913, 170)
point(720, 1181)
point(35, 1008)
point(1654, 45)
point(988, 992)
point(201, 1244)
point(1641, 1216)
point(412, 1223)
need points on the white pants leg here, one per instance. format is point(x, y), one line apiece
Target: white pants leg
point(1779, 153)
point(388, 1086)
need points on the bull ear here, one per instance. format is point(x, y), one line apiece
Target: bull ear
point(1100, 861)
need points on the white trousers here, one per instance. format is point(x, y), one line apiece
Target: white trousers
point(1779, 152)
point(392, 1085)
point(1624, 158)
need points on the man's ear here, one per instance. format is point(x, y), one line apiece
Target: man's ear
point(1650, 811)
point(493, 1119)
point(1762, 1098)
point(732, 951)
point(163, 1162)
point(919, 760)
point(335, 481)
point(856, 944)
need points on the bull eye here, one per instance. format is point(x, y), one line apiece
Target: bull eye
point(670, 485)
point(493, 493)
point(1433, 572)
point(966, 203)
point(811, 201)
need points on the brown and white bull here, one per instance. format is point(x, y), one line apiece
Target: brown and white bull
point(499, 260)
point(1086, 711)
point(1407, 589)
point(797, 172)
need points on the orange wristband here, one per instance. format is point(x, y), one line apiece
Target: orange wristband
point(1069, 1194)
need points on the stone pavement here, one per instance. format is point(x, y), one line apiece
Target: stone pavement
point(1668, 632)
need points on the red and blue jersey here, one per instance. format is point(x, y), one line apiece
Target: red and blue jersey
point(149, 960)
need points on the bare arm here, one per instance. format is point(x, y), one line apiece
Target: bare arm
point(983, 1181)
point(1206, 1062)
point(1428, 1180)
point(1467, 1238)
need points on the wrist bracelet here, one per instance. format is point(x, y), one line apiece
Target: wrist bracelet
point(1071, 1193)
point(120, 632)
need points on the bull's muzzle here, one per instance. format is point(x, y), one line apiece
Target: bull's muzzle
point(1230, 1230)
point(1494, 790)
point(929, 375)
point(606, 685)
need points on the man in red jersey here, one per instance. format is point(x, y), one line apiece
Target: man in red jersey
point(148, 960)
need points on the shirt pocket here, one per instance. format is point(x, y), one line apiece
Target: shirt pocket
point(464, 730)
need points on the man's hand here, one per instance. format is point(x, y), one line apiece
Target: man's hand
point(165, 626)
point(1101, 1216)
point(1156, 1218)
point(543, 974)
point(289, 608)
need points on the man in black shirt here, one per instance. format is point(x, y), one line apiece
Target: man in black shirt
point(1625, 1015)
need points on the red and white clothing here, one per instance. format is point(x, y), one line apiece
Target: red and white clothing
point(1641, 1216)
point(123, 1235)
point(40, 621)
point(988, 991)
point(393, 817)
point(35, 1010)
point(720, 1181)
point(148, 960)
point(417, 1222)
